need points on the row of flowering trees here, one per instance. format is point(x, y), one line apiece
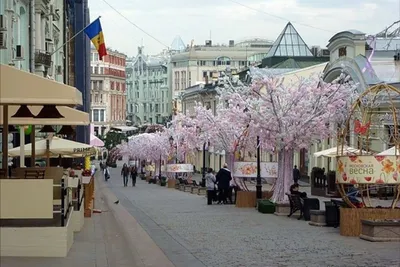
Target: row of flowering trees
point(286, 115)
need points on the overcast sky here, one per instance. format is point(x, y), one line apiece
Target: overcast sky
point(225, 19)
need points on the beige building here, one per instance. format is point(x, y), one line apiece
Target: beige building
point(108, 91)
point(203, 63)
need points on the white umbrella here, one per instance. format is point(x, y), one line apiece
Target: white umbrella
point(334, 152)
point(57, 147)
point(390, 152)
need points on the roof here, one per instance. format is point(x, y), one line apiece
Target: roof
point(178, 44)
point(292, 63)
point(235, 53)
point(289, 44)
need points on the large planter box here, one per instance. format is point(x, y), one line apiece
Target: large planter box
point(283, 209)
point(195, 190)
point(247, 199)
point(181, 187)
point(171, 183)
point(266, 206)
point(202, 191)
point(350, 218)
point(317, 218)
point(187, 188)
point(380, 230)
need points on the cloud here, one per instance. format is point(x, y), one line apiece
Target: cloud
point(228, 20)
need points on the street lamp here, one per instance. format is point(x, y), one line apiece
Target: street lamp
point(171, 142)
point(258, 178)
point(203, 179)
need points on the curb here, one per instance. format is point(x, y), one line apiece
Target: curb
point(145, 251)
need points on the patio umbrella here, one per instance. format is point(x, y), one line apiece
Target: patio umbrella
point(333, 152)
point(95, 141)
point(55, 147)
point(390, 152)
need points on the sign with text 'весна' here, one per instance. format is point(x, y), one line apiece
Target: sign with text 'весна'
point(368, 170)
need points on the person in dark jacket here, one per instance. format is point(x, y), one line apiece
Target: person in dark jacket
point(125, 174)
point(296, 174)
point(224, 177)
point(133, 175)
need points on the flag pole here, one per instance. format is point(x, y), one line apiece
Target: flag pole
point(73, 37)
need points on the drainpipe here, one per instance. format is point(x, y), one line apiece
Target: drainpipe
point(65, 38)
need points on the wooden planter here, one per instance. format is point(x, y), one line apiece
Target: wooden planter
point(148, 178)
point(247, 199)
point(380, 230)
point(171, 183)
point(317, 218)
point(350, 219)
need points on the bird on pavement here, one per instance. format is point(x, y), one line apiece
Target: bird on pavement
point(116, 202)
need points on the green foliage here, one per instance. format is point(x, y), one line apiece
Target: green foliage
point(113, 139)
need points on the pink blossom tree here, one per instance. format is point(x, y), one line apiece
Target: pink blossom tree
point(288, 116)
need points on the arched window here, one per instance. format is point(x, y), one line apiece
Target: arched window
point(221, 61)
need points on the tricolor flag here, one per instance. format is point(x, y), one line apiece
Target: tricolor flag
point(95, 33)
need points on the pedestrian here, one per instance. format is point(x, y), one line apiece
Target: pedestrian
point(125, 174)
point(106, 172)
point(133, 175)
point(224, 176)
point(296, 174)
point(210, 184)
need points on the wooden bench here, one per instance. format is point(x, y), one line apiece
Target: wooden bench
point(295, 205)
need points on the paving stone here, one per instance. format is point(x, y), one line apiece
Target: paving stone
point(222, 235)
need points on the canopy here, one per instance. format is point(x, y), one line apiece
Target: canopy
point(21, 87)
point(71, 117)
point(333, 152)
point(95, 141)
point(58, 146)
point(390, 152)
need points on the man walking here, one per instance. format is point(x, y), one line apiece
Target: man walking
point(224, 177)
point(296, 174)
point(125, 174)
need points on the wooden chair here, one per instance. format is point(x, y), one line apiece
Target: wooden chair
point(295, 205)
point(34, 174)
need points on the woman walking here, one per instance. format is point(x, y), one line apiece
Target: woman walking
point(210, 184)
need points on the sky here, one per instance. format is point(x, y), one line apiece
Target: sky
point(315, 20)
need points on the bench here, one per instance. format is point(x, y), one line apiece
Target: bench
point(295, 205)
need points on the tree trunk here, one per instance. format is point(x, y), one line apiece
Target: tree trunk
point(230, 160)
point(285, 176)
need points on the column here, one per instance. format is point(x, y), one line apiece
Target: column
point(38, 32)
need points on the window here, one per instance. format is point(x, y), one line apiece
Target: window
point(223, 61)
point(100, 85)
point(137, 108)
point(96, 70)
point(102, 115)
point(101, 98)
point(95, 115)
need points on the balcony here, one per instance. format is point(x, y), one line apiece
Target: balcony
point(42, 58)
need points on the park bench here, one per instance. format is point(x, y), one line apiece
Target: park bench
point(295, 205)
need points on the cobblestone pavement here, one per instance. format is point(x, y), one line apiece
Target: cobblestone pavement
point(193, 234)
point(99, 244)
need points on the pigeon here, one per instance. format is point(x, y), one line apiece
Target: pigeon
point(116, 202)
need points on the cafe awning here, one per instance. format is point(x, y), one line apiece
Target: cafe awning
point(71, 117)
point(19, 87)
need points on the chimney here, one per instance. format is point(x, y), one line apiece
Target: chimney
point(208, 43)
point(231, 43)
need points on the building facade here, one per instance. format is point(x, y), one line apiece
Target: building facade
point(149, 97)
point(204, 63)
point(108, 91)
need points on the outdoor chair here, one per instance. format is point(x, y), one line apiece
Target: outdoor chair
point(295, 205)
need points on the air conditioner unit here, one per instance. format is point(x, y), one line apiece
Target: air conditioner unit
point(3, 23)
point(19, 52)
point(3, 40)
point(59, 70)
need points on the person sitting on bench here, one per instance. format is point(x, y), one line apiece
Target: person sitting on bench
point(294, 190)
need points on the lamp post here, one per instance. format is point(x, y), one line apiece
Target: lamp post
point(258, 179)
point(203, 179)
point(171, 142)
point(159, 172)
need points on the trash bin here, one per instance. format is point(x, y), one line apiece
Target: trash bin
point(332, 214)
point(310, 204)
